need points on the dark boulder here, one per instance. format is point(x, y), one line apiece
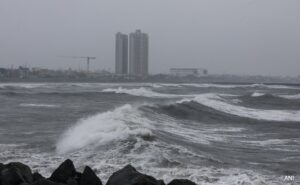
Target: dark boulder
point(71, 181)
point(130, 176)
point(181, 182)
point(78, 177)
point(11, 176)
point(65, 171)
point(89, 177)
point(161, 182)
point(15, 174)
point(1, 167)
point(45, 182)
point(37, 176)
point(23, 169)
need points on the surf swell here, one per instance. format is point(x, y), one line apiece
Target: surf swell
point(230, 86)
point(209, 133)
point(218, 103)
point(142, 91)
point(39, 105)
point(285, 96)
point(104, 128)
point(291, 97)
point(126, 121)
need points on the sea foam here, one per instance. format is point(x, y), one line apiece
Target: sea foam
point(142, 91)
point(218, 103)
point(38, 105)
point(257, 94)
point(291, 97)
point(230, 86)
point(118, 124)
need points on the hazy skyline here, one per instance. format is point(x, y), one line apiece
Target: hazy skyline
point(232, 36)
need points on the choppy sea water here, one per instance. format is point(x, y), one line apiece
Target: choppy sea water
point(208, 133)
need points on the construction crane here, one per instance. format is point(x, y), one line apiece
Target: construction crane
point(81, 57)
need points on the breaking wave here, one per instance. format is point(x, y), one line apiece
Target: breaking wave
point(286, 96)
point(265, 98)
point(291, 97)
point(142, 91)
point(218, 103)
point(21, 85)
point(38, 105)
point(230, 86)
point(104, 128)
point(257, 94)
point(267, 101)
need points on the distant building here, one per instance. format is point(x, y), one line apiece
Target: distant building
point(121, 66)
point(182, 72)
point(4, 72)
point(138, 53)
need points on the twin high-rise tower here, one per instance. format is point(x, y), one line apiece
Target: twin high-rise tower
point(137, 64)
point(121, 53)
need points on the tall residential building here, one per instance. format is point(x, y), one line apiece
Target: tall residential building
point(138, 53)
point(121, 53)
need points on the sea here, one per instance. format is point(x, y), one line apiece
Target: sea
point(229, 134)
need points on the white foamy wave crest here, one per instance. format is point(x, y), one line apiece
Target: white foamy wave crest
point(240, 86)
point(145, 92)
point(291, 97)
point(211, 85)
point(257, 94)
point(21, 85)
point(103, 128)
point(169, 85)
point(216, 102)
point(38, 105)
point(270, 142)
point(281, 87)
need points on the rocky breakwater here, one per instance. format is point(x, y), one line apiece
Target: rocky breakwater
point(20, 174)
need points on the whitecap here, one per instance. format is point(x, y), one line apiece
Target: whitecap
point(142, 91)
point(100, 129)
point(230, 86)
point(39, 105)
point(218, 103)
point(292, 97)
point(257, 94)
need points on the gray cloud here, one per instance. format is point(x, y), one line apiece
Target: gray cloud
point(232, 36)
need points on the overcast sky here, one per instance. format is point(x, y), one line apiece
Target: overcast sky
point(224, 36)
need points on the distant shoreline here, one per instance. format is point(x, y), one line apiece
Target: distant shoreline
point(200, 81)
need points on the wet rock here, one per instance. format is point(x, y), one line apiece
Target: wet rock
point(36, 176)
point(11, 176)
point(45, 182)
point(161, 182)
point(71, 182)
point(181, 182)
point(22, 169)
point(65, 174)
point(65, 171)
point(130, 176)
point(78, 177)
point(1, 166)
point(89, 177)
point(15, 174)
